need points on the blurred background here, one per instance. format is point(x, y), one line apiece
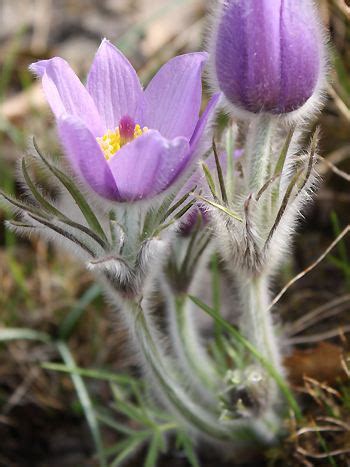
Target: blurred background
point(42, 290)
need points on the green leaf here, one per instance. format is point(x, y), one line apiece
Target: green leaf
point(42, 220)
point(83, 205)
point(264, 362)
point(153, 451)
point(220, 174)
point(312, 154)
point(187, 446)
point(111, 423)
point(219, 206)
point(175, 206)
point(284, 204)
point(230, 175)
point(37, 195)
point(85, 401)
point(95, 374)
point(128, 448)
point(282, 158)
point(177, 216)
point(10, 334)
point(23, 206)
point(19, 224)
point(209, 179)
point(187, 258)
point(200, 248)
point(52, 210)
point(134, 413)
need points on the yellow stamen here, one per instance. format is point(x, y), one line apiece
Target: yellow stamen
point(112, 141)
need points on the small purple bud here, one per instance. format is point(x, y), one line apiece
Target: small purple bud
point(268, 54)
point(197, 215)
point(238, 153)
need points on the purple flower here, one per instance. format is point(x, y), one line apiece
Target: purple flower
point(268, 54)
point(126, 143)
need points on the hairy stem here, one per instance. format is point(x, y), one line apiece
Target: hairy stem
point(257, 326)
point(167, 382)
point(195, 414)
point(259, 151)
point(189, 349)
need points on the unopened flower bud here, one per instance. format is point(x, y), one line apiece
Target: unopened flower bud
point(268, 55)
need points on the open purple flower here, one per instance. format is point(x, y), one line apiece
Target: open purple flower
point(126, 143)
point(268, 55)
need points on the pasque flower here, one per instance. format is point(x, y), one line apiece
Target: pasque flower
point(268, 54)
point(127, 143)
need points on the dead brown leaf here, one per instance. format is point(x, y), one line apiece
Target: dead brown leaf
point(322, 363)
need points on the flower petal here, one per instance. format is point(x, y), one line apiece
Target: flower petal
point(114, 85)
point(208, 113)
point(86, 156)
point(247, 55)
point(301, 49)
point(66, 94)
point(203, 121)
point(173, 97)
point(148, 166)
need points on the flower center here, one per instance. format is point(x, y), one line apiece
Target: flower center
point(113, 140)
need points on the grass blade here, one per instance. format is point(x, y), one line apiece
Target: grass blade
point(129, 447)
point(70, 321)
point(190, 453)
point(85, 401)
point(94, 374)
point(10, 334)
point(153, 451)
point(111, 423)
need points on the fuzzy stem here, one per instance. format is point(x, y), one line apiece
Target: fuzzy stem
point(200, 419)
point(163, 373)
point(188, 347)
point(258, 151)
point(194, 415)
point(257, 326)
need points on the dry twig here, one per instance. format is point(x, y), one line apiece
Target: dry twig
point(311, 267)
point(343, 7)
point(322, 336)
point(341, 106)
point(322, 312)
